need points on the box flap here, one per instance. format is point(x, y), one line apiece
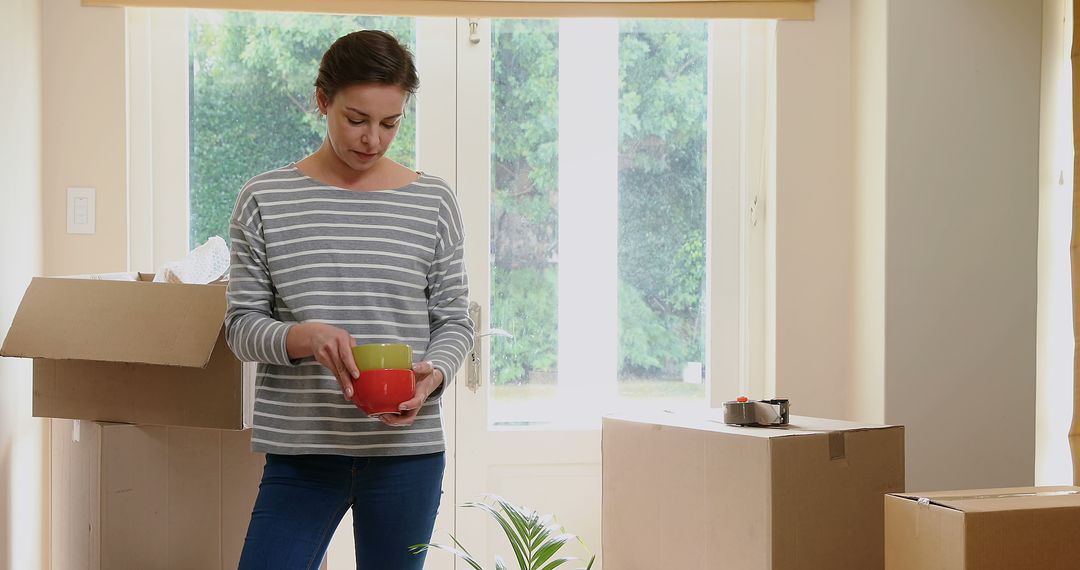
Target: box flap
point(117, 321)
point(1007, 499)
point(711, 419)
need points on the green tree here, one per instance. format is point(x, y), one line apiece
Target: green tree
point(524, 220)
point(662, 137)
point(663, 69)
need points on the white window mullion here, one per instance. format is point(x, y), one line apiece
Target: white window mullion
point(157, 75)
point(724, 287)
point(588, 211)
point(756, 204)
point(741, 135)
point(763, 263)
point(139, 134)
point(169, 117)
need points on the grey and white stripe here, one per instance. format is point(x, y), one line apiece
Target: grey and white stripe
point(385, 265)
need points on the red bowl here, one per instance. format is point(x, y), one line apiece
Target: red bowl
point(381, 391)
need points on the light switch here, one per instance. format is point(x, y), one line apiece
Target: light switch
point(80, 210)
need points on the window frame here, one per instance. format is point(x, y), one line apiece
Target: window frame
point(740, 224)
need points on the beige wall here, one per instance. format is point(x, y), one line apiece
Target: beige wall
point(23, 439)
point(961, 226)
point(83, 128)
point(869, 101)
point(906, 234)
point(813, 212)
point(62, 113)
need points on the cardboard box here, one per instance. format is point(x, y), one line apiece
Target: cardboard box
point(152, 497)
point(684, 490)
point(987, 529)
point(131, 351)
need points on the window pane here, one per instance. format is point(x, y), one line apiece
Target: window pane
point(663, 102)
point(252, 105)
point(524, 215)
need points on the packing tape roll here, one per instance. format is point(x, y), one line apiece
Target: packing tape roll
point(759, 413)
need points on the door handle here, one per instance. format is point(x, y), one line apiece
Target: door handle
point(474, 378)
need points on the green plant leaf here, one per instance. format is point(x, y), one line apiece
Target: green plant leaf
point(544, 526)
point(550, 531)
point(557, 562)
point(511, 531)
point(461, 546)
point(535, 538)
point(538, 534)
point(549, 548)
point(522, 519)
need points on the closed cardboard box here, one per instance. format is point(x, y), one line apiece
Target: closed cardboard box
point(151, 497)
point(684, 490)
point(125, 349)
point(985, 529)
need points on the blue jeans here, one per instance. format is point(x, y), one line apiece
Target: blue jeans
point(302, 498)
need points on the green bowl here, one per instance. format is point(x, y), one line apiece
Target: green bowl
point(382, 356)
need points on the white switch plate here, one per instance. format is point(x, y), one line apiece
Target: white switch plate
point(80, 210)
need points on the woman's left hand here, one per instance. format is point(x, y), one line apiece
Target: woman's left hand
point(428, 378)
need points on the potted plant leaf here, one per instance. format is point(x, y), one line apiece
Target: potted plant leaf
point(535, 538)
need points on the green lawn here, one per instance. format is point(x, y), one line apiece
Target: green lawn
point(638, 389)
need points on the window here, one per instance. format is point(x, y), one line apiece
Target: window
point(606, 207)
point(251, 106)
point(622, 158)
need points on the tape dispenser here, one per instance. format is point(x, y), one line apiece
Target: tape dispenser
point(760, 413)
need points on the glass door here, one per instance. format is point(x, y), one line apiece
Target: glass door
point(587, 168)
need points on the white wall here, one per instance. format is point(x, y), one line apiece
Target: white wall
point(961, 226)
point(23, 439)
point(906, 237)
point(1053, 464)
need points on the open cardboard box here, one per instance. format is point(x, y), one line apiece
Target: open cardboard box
point(685, 490)
point(121, 348)
point(987, 529)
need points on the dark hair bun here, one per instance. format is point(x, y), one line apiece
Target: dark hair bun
point(366, 56)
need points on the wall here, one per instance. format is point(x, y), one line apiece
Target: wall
point(23, 439)
point(69, 61)
point(869, 101)
point(814, 212)
point(1054, 400)
point(84, 131)
point(961, 225)
point(906, 237)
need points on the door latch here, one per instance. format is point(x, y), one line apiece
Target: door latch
point(475, 373)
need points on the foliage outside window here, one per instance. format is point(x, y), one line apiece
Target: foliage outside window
point(252, 104)
point(662, 179)
point(252, 110)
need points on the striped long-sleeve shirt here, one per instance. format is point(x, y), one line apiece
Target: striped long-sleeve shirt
point(385, 265)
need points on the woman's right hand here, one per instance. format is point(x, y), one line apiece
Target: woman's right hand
point(330, 345)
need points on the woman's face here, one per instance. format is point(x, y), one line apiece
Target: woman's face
point(362, 120)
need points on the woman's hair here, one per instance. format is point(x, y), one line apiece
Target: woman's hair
point(367, 56)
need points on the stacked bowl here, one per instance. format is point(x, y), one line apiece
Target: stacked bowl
point(386, 377)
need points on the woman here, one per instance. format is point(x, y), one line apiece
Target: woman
point(347, 247)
